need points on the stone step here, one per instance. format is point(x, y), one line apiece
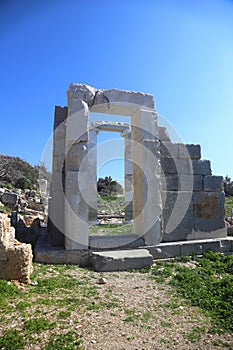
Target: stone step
point(121, 260)
point(199, 247)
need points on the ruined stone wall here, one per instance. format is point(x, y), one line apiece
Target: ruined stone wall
point(193, 199)
point(15, 257)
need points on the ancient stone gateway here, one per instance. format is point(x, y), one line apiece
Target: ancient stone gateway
point(73, 194)
point(178, 206)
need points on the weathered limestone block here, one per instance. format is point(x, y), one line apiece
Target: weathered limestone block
point(177, 215)
point(81, 92)
point(121, 260)
point(76, 123)
point(9, 198)
point(169, 149)
point(189, 151)
point(56, 218)
point(209, 211)
point(114, 101)
point(15, 257)
point(144, 126)
point(201, 167)
point(146, 177)
point(189, 182)
point(213, 183)
point(194, 151)
point(60, 116)
point(76, 155)
point(163, 134)
point(168, 165)
point(183, 229)
point(170, 182)
point(98, 96)
point(76, 211)
point(176, 165)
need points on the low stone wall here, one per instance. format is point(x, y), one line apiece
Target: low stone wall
point(15, 257)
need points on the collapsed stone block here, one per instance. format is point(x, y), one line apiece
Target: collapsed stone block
point(15, 257)
point(9, 198)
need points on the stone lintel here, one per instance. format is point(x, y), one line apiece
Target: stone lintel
point(94, 97)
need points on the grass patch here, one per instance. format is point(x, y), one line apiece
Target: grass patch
point(109, 198)
point(68, 341)
point(37, 325)
point(12, 340)
point(4, 210)
point(195, 334)
point(210, 287)
point(110, 229)
point(228, 205)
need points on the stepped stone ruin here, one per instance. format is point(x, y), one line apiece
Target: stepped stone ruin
point(175, 203)
point(15, 257)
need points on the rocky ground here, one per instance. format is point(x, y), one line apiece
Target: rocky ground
point(67, 307)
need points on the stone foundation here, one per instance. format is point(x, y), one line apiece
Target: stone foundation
point(15, 257)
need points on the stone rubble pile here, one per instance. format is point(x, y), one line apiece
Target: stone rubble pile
point(29, 212)
point(15, 257)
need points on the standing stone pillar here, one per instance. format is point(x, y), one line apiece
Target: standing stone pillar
point(56, 203)
point(146, 176)
point(128, 176)
point(92, 167)
point(76, 175)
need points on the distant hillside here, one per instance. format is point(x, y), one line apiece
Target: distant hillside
point(15, 172)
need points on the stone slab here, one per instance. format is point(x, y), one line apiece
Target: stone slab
point(94, 96)
point(121, 260)
point(175, 249)
point(116, 242)
point(45, 252)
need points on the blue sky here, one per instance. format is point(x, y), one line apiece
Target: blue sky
point(179, 51)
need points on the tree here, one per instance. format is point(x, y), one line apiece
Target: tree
point(228, 186)
point(108, 185)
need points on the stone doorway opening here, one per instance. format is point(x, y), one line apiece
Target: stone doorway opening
point(114, 191)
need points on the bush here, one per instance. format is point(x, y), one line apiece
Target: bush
point(23, 183)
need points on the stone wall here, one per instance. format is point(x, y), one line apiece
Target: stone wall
point(15, 257)
point(193, 199)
